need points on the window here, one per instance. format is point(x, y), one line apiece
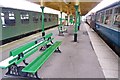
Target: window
point(108, 16)
point(45, 17)
point(53, 17)
point(50, 18)
point(35, 17)
point(98, 17)
point(102, 17)
point(117, 17)
point(24, 17)
point(8, 18)
point(41, 18)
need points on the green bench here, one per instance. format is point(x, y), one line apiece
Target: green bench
point(19, 54)
point(34, 66)
point(14, 55)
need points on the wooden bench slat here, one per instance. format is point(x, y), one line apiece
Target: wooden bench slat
point(39, 61)
point(46, 42)
point(42, 43)
point(13, 59)
point(32, 50)
point(48, 36)
point(26, 46)
point(27, 55)
point(38, 44)
point(21, 49)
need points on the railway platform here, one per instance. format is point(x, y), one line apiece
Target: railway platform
point(89, 57)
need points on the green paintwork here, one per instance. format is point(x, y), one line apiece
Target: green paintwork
point(79, 19)
point(20, 29)
point(0, 26)
point(43, 43)
point(60, 25)
point(20, 49)
point(13, 60)
point(71, 19)
point(42, 7)
point(76, 23)
point(27, 55)
point(39, 61)
point(26, 46)
point(33, 50)
point(48, 36)
point(29, 52)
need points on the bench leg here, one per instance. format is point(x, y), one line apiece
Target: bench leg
point(30, 75)
point(13, 70)
point(43, 48)
point(58, 50)
point(25, 62)
point(52, 42)
point(60, 34)
point(36, 75)
point(22, 55)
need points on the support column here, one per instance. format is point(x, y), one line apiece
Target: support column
point(76, 27)
point(60, 26)
point(61, 21)
point(71, 19)
point(78, 20)
point(67, 19)
point(43, 31)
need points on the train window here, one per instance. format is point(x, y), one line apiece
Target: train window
point(2, 14)
point(35, 17)
point(24, 17)
point(100, 17)
point(117, 10)
point(8, 18)
point(110, 11)
point(45, 18)
point(108, 17)
point(41, 18)
point(117, 17)
point(50, 18)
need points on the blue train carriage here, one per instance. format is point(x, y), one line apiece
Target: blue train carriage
point(108, 25)
point(18, 23)
point(90, 20)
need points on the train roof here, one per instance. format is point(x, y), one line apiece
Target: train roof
point(114, 4)
point(20, 4)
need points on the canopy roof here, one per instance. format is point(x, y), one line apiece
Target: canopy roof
point(67, 6)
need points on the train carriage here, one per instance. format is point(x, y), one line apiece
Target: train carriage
point(18, 23)
point(108, 25)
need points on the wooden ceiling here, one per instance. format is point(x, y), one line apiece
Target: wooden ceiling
point(67, 6)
